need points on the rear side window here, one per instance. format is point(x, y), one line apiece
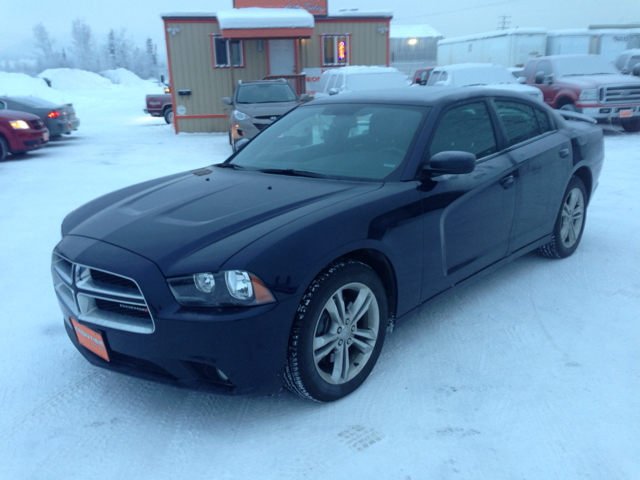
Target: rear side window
point(466, 128)
point(543, 121)
point(519, 121)
point(544, 66)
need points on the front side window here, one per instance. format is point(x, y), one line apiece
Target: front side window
point(519, 121)
point(223, 50)
point(466, 128)
point(544, 66)
point(335, 50)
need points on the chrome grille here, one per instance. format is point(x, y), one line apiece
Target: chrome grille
point(100, 297)
point(620, 94)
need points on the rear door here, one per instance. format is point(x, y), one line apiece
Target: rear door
point(468, 217)
point(544, 161)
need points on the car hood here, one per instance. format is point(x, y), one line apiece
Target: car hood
point(594, 81)
point(15, 115)
point(173, 218)
point(265, 109)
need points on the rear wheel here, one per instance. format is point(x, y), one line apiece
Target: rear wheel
point(569, 225)
point(338, 332)
point(632, 126)
point(168, 115)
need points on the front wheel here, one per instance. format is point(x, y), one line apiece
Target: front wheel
point(168, 115)
point(338, 332)
point(632, 126)
point(567, 231)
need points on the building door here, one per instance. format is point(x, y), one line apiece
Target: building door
point(282, 57)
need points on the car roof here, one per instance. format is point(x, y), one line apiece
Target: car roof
point(430, 96)
point(279, 81)
point(466, 66)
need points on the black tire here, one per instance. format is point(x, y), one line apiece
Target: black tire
point(330, 356)
point(4, 148)
point(168, 115)
point(570, 107)
point(631, 126)
point(20, 152)
point(569, 226)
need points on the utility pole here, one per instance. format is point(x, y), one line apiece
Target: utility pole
point(503, 22)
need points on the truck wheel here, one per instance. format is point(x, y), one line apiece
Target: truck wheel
point(569, 107)
point(632, 126)
point(4, 148)
point(168, 115)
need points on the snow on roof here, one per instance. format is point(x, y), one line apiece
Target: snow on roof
point(356, 12)
point(496, 33)
point(413, 31)
point(188, 15)
point(466, 66)
point(570, 31)
point(360, 69)
point(265, 18)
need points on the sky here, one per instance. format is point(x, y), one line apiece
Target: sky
point(142, 19)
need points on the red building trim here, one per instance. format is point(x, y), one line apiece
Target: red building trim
point(171, 84)
point(268, 60)
point(212, 36)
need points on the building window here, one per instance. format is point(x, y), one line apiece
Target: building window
point(225, 49)
point(335, 50)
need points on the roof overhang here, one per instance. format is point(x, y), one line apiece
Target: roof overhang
point(265, 23)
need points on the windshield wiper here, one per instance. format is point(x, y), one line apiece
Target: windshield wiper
point(293, 173)
point(229, 165)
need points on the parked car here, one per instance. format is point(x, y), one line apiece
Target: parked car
point(628, 62)
point(257, 104)
point(359, 79)
point(160, 105)
point(20, 133)
point(58, 118)
point(289, 262)
point(480, 74)
point(421, 76)
point(588, 84)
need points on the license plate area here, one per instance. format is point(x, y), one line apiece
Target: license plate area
point(90, 339)
point(626, 113)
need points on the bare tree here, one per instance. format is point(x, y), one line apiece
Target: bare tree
point(83, 47)
point(47, 57)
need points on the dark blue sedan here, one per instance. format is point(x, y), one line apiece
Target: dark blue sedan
point(288, 263)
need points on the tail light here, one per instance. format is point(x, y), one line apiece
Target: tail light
point(53, 114)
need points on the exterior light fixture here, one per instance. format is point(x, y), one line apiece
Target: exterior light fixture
point(412, 41)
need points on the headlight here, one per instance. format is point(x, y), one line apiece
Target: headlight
point(240, 116)
point(589, 94)
point(221, 289)
point(19, 124)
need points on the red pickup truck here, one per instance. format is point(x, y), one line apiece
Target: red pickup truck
point(160, 106)
point(587, 84)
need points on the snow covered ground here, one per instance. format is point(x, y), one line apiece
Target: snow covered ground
point(533, 373)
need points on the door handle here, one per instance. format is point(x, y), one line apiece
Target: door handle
point(564, 153)
point(507, 182)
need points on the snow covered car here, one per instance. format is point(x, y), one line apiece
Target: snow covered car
point(20, 133)
point(289, 262)
point(359, 79)
point(58, 118)
point(480, 74)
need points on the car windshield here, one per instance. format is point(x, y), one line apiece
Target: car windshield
point(265, 93)
point(481, 76)
point(583, 65)
point(347, 141)
point(375, 81)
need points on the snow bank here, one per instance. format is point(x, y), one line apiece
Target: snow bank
point(19, 84)
point(73, 80)
point(122, 76)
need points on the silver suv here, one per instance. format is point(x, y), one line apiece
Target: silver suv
point(257, 104)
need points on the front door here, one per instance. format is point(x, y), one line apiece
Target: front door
point(282, 57)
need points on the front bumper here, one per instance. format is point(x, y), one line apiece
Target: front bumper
point(613, 113)
point(236, 350)
point(29, 139)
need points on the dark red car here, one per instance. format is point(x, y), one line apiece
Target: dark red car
point(21, 132)
point(421, 75)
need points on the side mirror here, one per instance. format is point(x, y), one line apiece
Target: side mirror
point(636, 70)
point(452, 162)
point(304, 97)
point(226, 100)
point(333, 91)
point(423, 82)
point(240, 144)
point(523, 80)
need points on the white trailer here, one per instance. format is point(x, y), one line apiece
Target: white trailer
point(606, 42)
point(510, 48)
